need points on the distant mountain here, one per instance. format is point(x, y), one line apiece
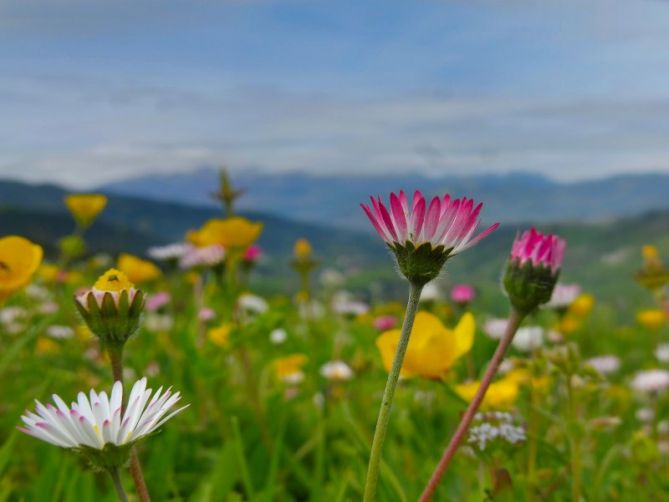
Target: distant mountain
point(334, 200)
point(133, 224)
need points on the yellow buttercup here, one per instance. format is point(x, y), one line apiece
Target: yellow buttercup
point(433, 348)
point(85, 207)
point(235, 232)
point(136, 269)
point(19, 259)
point(501, 394)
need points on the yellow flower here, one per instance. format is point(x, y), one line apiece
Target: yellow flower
point(501, 394)
point(19, 260)
point(289, 368)
point(137, 269)
point(433, 348)
point(46, 346)
point(582, 306)
point(220, 335)
point(652, 318)
point(651, 256)
point(113, 280)
point(85, 207)
point(302, 249)
point(569, 324)
point(235, 232)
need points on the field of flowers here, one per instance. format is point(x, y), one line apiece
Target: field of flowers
point(229, 394)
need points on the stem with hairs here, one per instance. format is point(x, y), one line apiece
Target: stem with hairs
point(515, 319)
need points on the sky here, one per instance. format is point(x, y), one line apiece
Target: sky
point(98, 91)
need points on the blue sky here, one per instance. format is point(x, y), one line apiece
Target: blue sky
point(96, 91)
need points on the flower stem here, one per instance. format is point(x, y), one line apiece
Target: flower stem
point(118, 485)
point(116, 357)
point(575, 444)
point(389, 392)
point(515, 318)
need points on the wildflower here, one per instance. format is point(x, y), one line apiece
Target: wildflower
point(159, 322)
point(252, 254)
point(85, 207)
point(331, 278)
point(495, 328)
point(112, 307)
point(533, 269)
point(582, 305)
point(462, 294)
point(19, 260)
point(59, 332)
point(653, 275)
point(385, 322)
point(220, 335)
point(47, 308)
point(252, 303)
point(137, 269)
point(433, 349)
point(494, 427)
point(336, 371)
point(604, 365)
point(529, 338)
point(170, 252)
point(302, 249)
point(231, 233)
point(652, 319)
point(645, 415)
point(563, 296)
point(289, 369)
point(46, 346)
point(37, 292)
point(97, 426)
point(662, 353)
point(431, 293)
point(501, 394)
point(157, 301)
point(278, 336)
point(206, 314)
point(344, 304)
point(651, 381)
point(424, 237)
point(207, 256)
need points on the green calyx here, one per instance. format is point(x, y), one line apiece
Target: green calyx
point(113, 322)
point(109, 457)
point(420, 264)
point(528, 286)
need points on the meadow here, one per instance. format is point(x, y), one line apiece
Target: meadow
point(284, 388)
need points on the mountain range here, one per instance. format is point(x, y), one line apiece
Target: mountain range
point(334, 200)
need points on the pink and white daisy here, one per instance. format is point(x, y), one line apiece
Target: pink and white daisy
point(98, 419)
point(447, 222)
point(463, 294)
point(563, 296)
point(207, 256)
point(544, 250)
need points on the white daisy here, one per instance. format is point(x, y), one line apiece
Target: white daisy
point(99, 419)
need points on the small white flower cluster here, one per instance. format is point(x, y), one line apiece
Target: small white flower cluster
point(492, 426)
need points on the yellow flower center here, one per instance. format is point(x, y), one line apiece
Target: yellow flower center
point(113, 280)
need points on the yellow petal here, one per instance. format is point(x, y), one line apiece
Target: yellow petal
point(19, 259)
point(137, 269)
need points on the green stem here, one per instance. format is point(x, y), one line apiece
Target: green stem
point(118, 485)
point(387, 400)
point(116, 357)
point(575, 442)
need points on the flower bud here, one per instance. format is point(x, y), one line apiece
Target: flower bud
point(111, 308)
point(533, 269)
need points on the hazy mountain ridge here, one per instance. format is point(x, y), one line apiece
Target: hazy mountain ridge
point(334, 199)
